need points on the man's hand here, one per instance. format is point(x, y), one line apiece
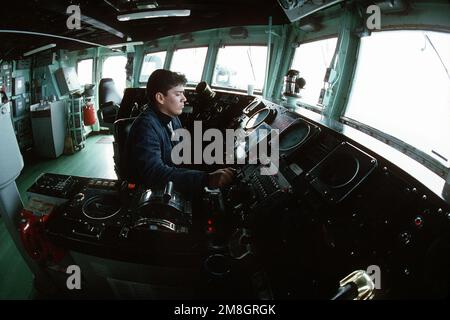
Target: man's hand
point(221, 178)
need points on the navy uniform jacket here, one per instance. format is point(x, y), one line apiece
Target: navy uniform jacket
point(150, 154)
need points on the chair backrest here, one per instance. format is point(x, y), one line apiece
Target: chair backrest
point(107, 92)
point(121, 151)
point(131, 97)
point(109, 100)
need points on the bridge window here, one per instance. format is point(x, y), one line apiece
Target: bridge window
point(401, 87)
point(85, 71)
point(239, 66)
point(312, 60)
point(152, 61)
point(114, 67)
point(190, 62)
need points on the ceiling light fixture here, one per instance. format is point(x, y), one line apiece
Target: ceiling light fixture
point(118, 45)
point(153, 14)
point(43, 48)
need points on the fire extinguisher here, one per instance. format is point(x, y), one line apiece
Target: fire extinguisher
point(34, 240)
point(89, 117)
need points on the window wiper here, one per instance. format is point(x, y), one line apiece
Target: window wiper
point(448, 75)
point(439, 155)
point(437, 53)
point(251, 64)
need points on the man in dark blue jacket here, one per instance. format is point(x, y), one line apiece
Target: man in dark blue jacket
point(150, 142)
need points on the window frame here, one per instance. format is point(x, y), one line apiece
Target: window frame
point(93, 67)
point(316, 108)
point(414, 153)
point(256, 91)
point(175, 49)
point(142, 64)
point(102, 63)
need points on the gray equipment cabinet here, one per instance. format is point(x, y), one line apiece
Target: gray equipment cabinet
point(49, 125)
point(75, 121)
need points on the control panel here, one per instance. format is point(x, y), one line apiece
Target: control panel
point(330, 202)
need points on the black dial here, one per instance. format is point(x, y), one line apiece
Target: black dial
point(294, 135)
point(259, 117)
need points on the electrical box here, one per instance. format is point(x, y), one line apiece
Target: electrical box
point(18, 85)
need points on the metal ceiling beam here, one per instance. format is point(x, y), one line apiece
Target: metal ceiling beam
point(100, 25)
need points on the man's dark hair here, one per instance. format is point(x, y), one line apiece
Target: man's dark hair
point(162, 81)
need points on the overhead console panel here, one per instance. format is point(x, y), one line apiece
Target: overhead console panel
point(298, 9)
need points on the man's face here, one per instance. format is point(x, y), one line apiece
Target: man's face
point(172, 104)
